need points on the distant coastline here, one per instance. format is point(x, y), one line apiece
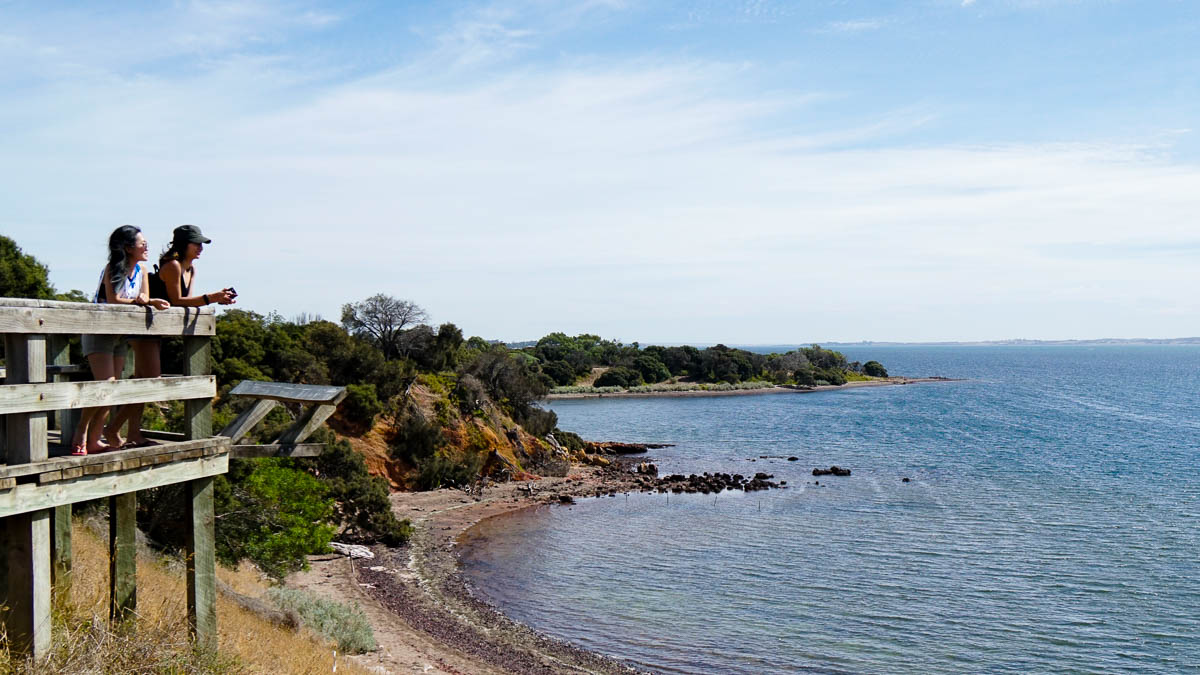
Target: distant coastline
point(778, 389)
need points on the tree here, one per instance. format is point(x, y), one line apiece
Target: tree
point(382, 319)
point(22, 276)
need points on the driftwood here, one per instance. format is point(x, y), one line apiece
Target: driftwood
point(285, 618)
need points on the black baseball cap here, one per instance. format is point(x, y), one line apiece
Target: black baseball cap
point(190, 234)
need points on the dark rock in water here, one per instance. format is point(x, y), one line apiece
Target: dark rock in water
point(831, 471)
point(647, 469)
point(793, 459)
point(905, 480)
point(566, 499)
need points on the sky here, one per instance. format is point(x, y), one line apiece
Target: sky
point(713, 171)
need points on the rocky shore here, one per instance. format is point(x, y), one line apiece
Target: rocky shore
point(425, 618)
point(777, 389)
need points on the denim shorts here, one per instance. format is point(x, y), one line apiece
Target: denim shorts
point(105, 344)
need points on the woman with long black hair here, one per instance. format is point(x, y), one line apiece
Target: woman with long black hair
point(173, 283)
point(123, 282)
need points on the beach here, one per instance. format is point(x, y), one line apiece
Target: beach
point(424, 617)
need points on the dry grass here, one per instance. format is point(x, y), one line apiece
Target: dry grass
point(156, 640)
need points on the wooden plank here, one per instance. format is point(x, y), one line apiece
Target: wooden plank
point(122, 556)
point(6, 483)
point(276, 450)
point(307, 423)
point(292, 393)
point(47, 317)
point(197, 362)
point(27, 497)
point(26, 432)
point(50, 476)
point(62, 553)
point(40, 398)
point(202, 565)
point(59, 368)
point(68, 462)
point(251, 416)
point(154, 434)
point(27, 620)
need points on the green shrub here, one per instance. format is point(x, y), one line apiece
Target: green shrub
point(438, 470)
point(271, 514)
point(619, 377)
point(874, 369)
point(362, 504)
point(346, 626)
point(360, 406)
point(568, 439)
point(415, 438)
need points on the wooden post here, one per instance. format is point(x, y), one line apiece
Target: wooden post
point(27, 536)
point(201, 543)
point(62, 553)
point(122, 555)
point(65, 421)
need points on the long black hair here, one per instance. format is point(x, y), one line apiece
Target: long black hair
point(176, 251)
point(122, 238)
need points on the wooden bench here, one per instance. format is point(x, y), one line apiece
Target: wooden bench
point(320, 402)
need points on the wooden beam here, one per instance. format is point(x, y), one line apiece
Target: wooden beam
point(217, 443)
point(27, 619)
point(48, 317)
point(290, 393)
point(308, 422)
point(251, 416)
point(40, 398)
point(202, 565)
point(122, 556)
point(276, 450)
point(27, 497)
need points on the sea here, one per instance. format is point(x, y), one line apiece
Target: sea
point(1050, 524)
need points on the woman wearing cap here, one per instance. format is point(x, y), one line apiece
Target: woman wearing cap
point(173, 283)
point(123, 282)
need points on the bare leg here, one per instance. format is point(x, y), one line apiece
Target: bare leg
point(91, 421)
point(145, 364)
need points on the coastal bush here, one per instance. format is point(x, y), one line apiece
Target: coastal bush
point(360, 406)
point(470, 394)
point(362, 507)
point(272, 515)
point(651, 369)
point(537, 421)
point(346, 626)
point(619, 377)
point(414, 438)
point(874, 369)
point(440, 470)
point(569, 440)
point(560, 371)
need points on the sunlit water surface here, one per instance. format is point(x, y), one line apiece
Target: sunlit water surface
point(1051, 524)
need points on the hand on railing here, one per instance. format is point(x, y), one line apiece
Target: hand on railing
point(158, 303)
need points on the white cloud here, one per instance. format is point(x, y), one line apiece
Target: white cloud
point(853, 26)
point(636, 199)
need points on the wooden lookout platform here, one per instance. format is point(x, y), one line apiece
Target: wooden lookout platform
point(39, 480)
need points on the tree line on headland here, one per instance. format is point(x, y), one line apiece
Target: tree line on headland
point(446, 408)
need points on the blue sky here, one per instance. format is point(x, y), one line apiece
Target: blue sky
point(746, 172)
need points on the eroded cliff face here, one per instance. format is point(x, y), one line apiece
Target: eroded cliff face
point(489, 439)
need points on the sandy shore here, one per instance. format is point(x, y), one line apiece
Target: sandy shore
point(779, 389)
point(425, 619)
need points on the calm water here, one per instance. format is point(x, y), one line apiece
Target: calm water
point(1052, 524)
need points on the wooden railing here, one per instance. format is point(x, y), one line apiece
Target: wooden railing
point(39, 482)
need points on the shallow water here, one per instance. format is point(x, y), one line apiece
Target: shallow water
point(1050, 525)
